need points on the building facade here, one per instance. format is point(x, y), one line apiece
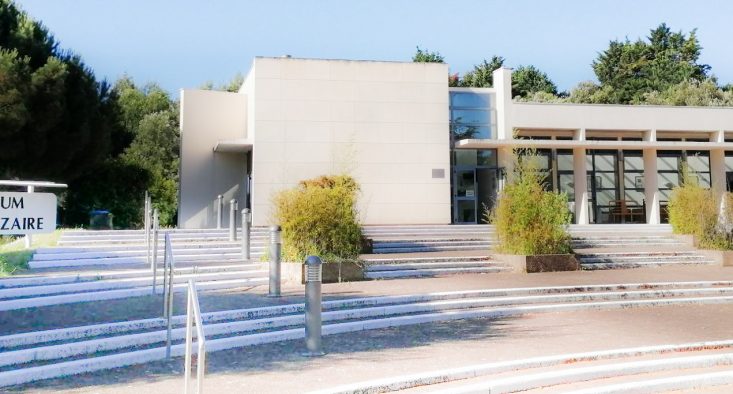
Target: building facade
point(425, 153)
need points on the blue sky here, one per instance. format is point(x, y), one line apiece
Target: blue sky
point(184, 43)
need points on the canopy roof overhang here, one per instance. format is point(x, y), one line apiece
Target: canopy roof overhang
point(241, 145)
point(593, 144)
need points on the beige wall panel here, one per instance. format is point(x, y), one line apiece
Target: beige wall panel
point(345, 116)
point(208, 117)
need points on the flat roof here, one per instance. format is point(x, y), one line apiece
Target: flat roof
point(593, 144)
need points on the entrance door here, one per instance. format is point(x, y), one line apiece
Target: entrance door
point(465, 196)
point(474, 192)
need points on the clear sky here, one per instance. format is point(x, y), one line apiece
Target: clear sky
point(184, 43)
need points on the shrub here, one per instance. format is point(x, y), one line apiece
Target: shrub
point(530, 220)
point(693, 210)
point(319, 217)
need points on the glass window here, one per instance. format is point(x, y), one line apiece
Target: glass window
point(466, 211)
point(668, 180)
point(464, 132)
point(465, 157)
point(486, 157)
point(470, 100)
point(633, 163)
point(473, 157)
point(566, 184)
point(635, 197)
point(470, 116)
point(729, 161)
point(605, 162)
point(668, 163)
point(564, 161)
point(698, 163)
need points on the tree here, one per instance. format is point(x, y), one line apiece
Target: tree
point(480, 76)
point(691, 92)
point(632, 69)
point(425, 56)
point(151, 118)
point(57, 121)
point(232, 86)
point(527, 80)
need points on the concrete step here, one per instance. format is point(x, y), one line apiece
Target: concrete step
point(410, 272)
point(479, 378)
point(422, 249)
point(54, 279)
point(640, 264)
point(113, 294)
point(68, 255)
point(124, 283)
point(41, 355)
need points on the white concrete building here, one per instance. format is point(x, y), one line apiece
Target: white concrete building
point(425, 153)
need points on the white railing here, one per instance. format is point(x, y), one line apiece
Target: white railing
point(193, 312)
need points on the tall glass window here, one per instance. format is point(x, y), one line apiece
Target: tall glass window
point(470, 116)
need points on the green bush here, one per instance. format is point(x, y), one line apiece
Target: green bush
point(693, 210)
point(530, 220)
point(319, 217)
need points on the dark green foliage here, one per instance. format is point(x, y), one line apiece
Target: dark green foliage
point(528, 80)
point(56, 121)
point(425, 56)
point(319, 217)
point(631, 69)
point(115, 186)
point(151, 118)
point(480, 76)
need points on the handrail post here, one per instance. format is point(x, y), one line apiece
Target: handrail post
point(193, 316)
point(246, 223)
point(168, 294)
point(189, 337)
point(146, 226)
point(233, 220)
point(219, 210)
point(275, 251)
point(155, 249)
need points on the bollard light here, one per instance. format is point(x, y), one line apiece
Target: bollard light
point(219, 210)
point(275, 251)
point(246, 222)
point(313, 306)
point(232, 220)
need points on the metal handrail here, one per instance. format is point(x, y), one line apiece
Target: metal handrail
point(168, 269)
point(193, 312)
point(154, 247)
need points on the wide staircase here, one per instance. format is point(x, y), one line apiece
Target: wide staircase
point(37, 355)
point(104, 265)
point(685, 367)
point(432, 250)
point(633, 246)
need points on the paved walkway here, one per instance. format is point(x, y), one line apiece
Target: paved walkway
point(146, 307)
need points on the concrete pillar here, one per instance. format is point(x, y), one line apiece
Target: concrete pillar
point(651, 188)
point(580, 182)
point(717, 172)
point(503, 88)
point(505, 159)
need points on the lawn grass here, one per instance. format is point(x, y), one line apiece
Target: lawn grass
point(14, 256)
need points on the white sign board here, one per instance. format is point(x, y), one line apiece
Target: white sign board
point(27, 213)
